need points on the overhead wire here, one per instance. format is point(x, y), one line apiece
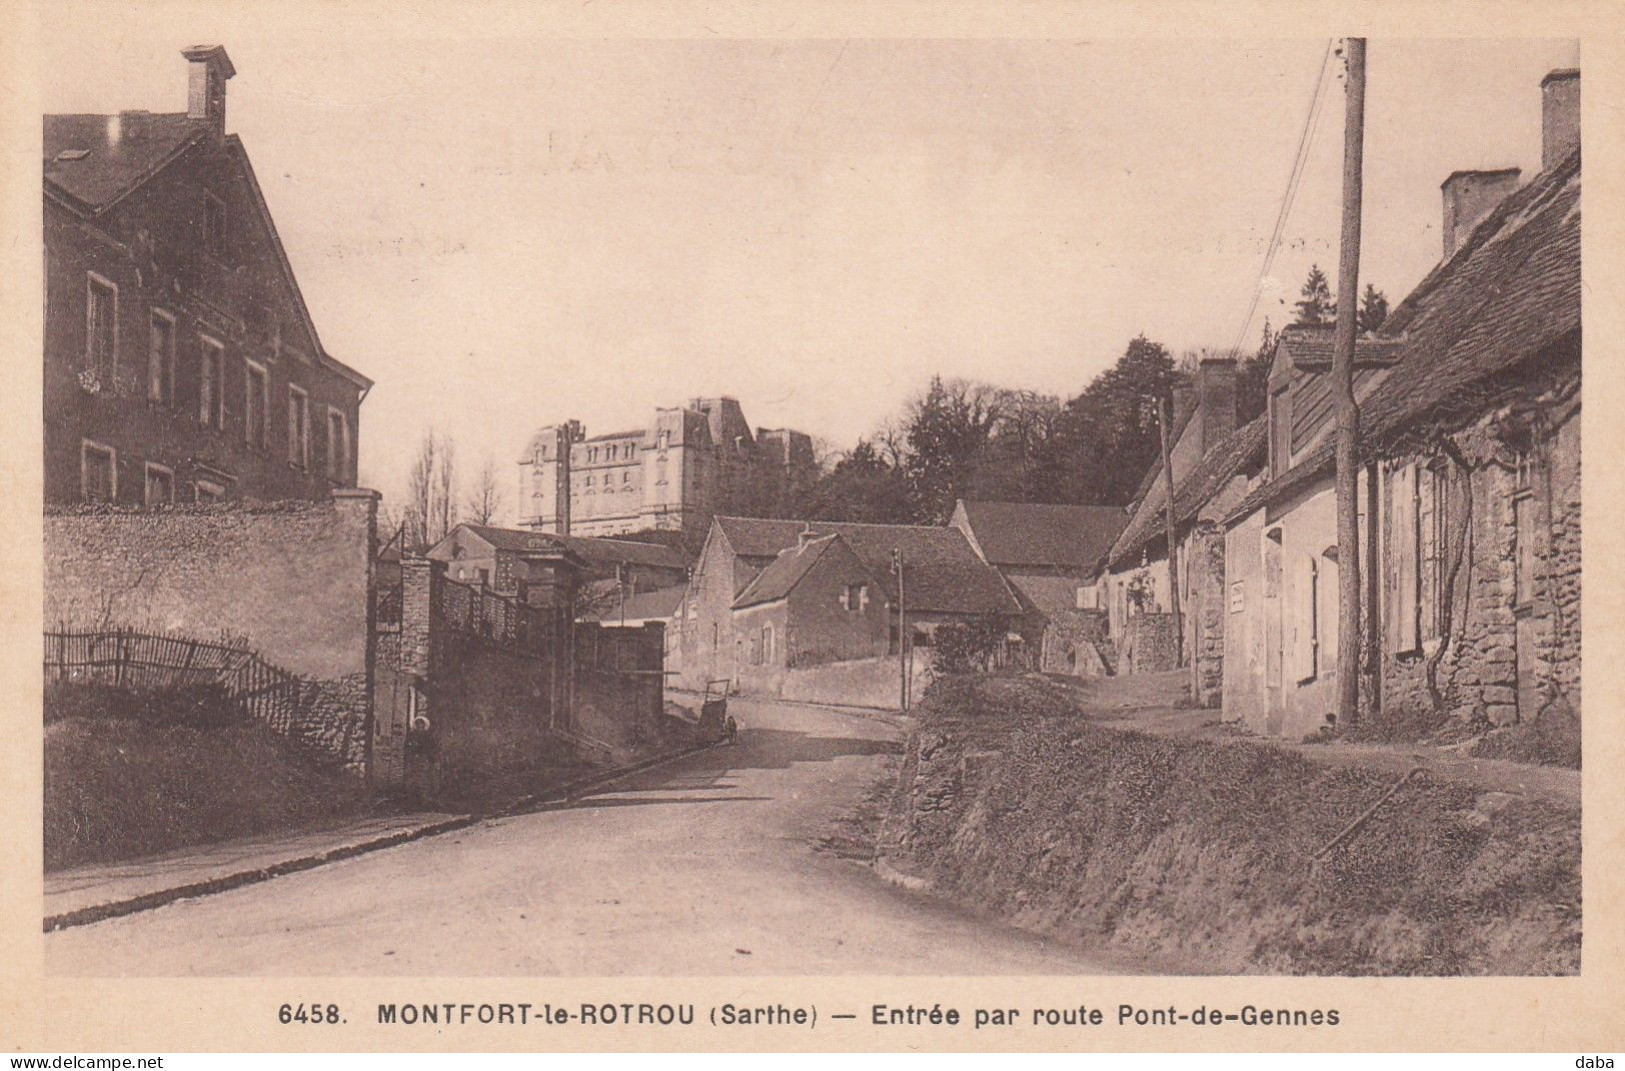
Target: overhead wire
point(1306, 140)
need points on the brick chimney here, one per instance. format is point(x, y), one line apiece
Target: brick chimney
point(209, 68)
point(1559, 116)
point(1469, 196)
point(1184, 399)
point(1216, 397)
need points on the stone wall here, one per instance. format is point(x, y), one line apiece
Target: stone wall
point(477, 689)
point(1495, 661)
point(1150, 645)
point(292, 578)
point(1205, 613)
point(1070, 643)
point(291, 582)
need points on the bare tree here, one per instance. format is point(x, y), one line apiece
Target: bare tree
point(486, 499)
point(420, 494)
point(445, 491)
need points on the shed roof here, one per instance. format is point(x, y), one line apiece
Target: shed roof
point(1037, 534)
point(590, 549)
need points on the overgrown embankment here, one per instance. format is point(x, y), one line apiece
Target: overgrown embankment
point(1213, 853)
point(132, 772)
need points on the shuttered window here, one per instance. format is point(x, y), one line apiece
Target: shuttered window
point(1402, 559)
point(1305, 596)
point(1429, 531)
point(1326, 613)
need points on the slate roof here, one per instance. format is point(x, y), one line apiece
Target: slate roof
point(1014, 534)
point(1309, 347)
point(590, 549)
point(942, 573)
point(780, 578)
point(1231, 456)
point(110, 169)
point(1503, 304)
point(89, 171)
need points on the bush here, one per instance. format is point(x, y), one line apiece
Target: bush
point(968, 647)
point(200, 705)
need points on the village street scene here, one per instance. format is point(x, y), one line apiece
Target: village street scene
point(811, 508)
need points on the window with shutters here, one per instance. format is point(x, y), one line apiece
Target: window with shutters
point(1403, 546)
point(338, 447)
point(161, 358)
point(1327, 622)
point(1305, 596)
point(298, 428)
point(1431, 525)
point(214, 224)
point(256, 405)
point(101, 326)
point(1525, 534)
point(160, 485)
point(211, 390)
point(98, 472)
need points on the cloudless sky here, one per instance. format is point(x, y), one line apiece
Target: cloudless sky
point(509, 231)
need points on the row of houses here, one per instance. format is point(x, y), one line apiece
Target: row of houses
point(1469, 487)
point(1469, 493)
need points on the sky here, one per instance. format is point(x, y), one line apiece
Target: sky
point(506, 231)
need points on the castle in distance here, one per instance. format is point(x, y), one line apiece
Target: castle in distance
point(685, 467)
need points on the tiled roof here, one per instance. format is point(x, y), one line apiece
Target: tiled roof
point(1026, 533)
point(1309, 347)
point(786, 571)
point(109, 169)
point(1508, 296)
point(1229, 457)
point(591, 549)
point(644, 606)
point(942, 574)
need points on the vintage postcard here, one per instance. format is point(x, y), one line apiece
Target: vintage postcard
point(812, 527)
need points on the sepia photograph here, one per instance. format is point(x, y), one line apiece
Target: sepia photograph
point(521, 505)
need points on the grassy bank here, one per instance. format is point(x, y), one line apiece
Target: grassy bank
point(1215, 853)
point(130, 774)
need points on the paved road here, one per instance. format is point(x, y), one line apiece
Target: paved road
point(704, 866)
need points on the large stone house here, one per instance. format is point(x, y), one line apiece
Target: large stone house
point(181, 363)
point(1469, 488)
point(685, 466)
point(1051, 556)
point(772, 596)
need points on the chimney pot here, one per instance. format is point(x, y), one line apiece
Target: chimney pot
point(1559, 116)
point(1469, 196)
point(209, 68)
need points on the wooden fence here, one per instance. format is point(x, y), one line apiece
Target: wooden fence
point(131, 659)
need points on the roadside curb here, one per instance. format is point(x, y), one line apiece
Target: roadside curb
point(892, 876)
point(147, 901)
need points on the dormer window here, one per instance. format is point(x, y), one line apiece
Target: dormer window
point(214, 224)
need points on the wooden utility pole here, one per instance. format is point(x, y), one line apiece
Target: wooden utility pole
point(1165, 420)
point(1348, 414)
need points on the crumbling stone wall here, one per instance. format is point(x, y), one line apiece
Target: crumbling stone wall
point(1150, 644)
point(1205, 614)
point(1496, 661)
point(1071, 642)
